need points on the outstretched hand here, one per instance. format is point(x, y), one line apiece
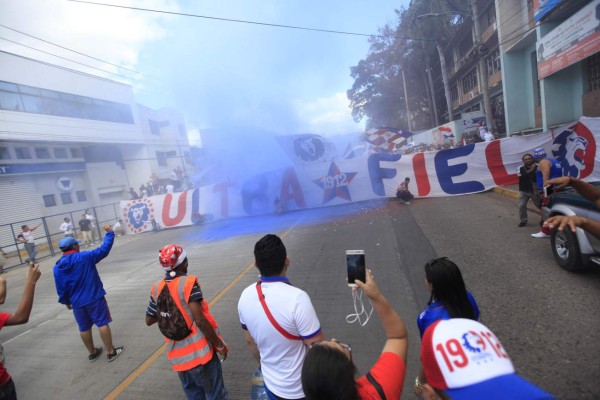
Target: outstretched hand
point(560, 222)
point(560, 182)
point(34, 273)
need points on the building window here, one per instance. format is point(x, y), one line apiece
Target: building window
point(454, 93)
point(49, 200)
point(16, 97)
point(4, 153)
point(156, 126)
point(181, 128)
point(161, 157)
point(22, 153)
point(593, 72)
point(465, 46)
point(76, 152)
point(81, 195)
point(493, 62)
point(469, 82)
point(60, 152)
point(65, 197)
point(42, 152)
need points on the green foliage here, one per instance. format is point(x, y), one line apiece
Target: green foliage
point(377, 93)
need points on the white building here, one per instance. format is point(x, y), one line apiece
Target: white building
point(70, 141)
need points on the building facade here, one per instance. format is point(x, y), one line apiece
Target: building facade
point(551, 62)
point(70, 141)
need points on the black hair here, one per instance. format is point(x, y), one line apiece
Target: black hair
point(407, 179)
point(448, 287)
point(270, 254)
point(23, 227)
point(327, 374)
point(525, 155)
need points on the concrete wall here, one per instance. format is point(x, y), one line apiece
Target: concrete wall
point(562, 96)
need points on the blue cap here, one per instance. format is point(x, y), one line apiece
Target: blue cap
point(539, 153)
point(67, 242)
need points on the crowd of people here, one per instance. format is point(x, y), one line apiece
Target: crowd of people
point(283, 332)
point(177, 182)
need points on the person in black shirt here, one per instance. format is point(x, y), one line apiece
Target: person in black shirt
point(527, 187)
point(86, 230)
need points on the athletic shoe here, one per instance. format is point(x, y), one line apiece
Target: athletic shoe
point(540, 234)
point(407, 202)
point(116, 353)
point(522, 224)
point(96, 355)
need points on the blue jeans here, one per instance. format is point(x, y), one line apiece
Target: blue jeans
point(31, 251)
point(204, 381)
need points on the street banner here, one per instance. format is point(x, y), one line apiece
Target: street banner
point(575, 39)
point(456, 171)
point(543, 7)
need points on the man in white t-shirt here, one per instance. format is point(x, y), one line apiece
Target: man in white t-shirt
point(90, 217)
point(170, 188)
point(67, 228)
point(26, 237)
point(280, 344)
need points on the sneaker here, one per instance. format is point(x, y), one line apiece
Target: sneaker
point(522, 224)
point(540, 234)
point(407, 202)
point(116, 353)
point(96, 355)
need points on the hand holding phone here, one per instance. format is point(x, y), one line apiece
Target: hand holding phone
point(548, 190)
point(355, 263)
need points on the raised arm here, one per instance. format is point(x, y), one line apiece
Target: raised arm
point(394, 327)
point(585, 189)
point(21, 316)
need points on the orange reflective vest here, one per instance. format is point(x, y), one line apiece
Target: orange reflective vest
point(195, 349)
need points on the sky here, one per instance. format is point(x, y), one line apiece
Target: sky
point(218, 74)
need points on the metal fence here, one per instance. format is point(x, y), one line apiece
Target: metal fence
point(47, 234)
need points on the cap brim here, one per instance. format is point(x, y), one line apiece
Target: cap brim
point(505, 387)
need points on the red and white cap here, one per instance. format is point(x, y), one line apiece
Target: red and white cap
point(466, 360)
point(171, 256)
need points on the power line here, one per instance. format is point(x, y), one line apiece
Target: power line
point(242, 21)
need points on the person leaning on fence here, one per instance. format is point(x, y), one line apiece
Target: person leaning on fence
point(191, 332)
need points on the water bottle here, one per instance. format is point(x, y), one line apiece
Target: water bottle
point(258, 386)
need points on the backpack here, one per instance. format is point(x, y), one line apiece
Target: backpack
point(170, 320)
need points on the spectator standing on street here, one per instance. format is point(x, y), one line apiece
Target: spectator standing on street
point(548, 168)
point(527, 187)
point(21, 316)
point(449, 298)
point(67, 228)
point(403, 193)
point(278, 321)
point(329, 373)
point(194, 344)
point(26, 237)
point(86, 230)
point(79, 287)
point(93, 226)
point(464, 360)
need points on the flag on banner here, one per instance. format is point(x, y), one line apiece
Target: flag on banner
point(446, 131)
point(353, 151)
point(386, 139)
point(307, 148)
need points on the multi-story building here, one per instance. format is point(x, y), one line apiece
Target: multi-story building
point(462, 64)
point(551, 62)
point(69, 140)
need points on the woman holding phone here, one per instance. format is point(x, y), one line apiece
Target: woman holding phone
point(449, 298)
point(328, 372)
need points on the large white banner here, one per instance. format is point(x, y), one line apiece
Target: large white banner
point(462, 170)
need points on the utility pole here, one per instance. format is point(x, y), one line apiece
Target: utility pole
point(428, 69)
point(406, 101)
point(445, 80)
point(483, 73)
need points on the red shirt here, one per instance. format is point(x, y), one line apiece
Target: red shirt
point(389, 372)
point(4, 376)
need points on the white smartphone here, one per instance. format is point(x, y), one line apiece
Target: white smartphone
point(355, 262)
point(548, 190)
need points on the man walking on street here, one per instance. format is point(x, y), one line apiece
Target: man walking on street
point(79, 287)
point(67, 228)
point(548, 168)
point(26, 237)
point(278, 321)
point(527, 187)
point(191, 332)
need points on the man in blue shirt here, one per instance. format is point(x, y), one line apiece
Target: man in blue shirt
point(79, 287)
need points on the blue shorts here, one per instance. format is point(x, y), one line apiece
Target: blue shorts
point(94, 313)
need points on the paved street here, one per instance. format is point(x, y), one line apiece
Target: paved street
point(545, 316)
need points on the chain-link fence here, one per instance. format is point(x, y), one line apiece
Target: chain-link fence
point(47, 234)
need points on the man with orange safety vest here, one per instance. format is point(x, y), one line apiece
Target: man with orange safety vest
point(195, 357)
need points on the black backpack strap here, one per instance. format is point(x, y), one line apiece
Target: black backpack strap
point(376, 385)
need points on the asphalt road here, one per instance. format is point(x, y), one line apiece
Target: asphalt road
point(546, 318)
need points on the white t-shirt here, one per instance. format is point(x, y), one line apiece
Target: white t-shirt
point(92, 220)
point(281, 359)
point(67, 228)
point(169, 188)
